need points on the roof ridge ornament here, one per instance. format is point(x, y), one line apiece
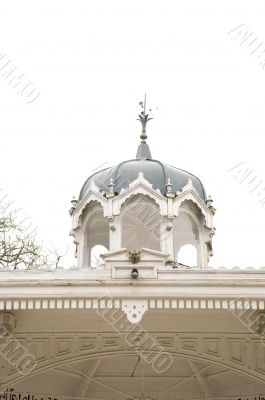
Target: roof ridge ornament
point(143, 149)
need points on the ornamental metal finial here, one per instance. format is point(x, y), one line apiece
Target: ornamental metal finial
point(143, 118)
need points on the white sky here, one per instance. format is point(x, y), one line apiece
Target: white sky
point(92, 62)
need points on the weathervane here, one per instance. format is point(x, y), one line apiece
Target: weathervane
point(144, 118)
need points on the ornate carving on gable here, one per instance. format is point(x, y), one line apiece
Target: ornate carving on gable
point(140, 179)
point(140, 186)
point(90, 197)
point(188, 188)
point(134, 256)
point(121, 263)
point(191, 194)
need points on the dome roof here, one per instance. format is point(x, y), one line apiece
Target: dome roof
point(156, 172)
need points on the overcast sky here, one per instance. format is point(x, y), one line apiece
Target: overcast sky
point(92, 62)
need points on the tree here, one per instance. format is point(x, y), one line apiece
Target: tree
point(20, 249)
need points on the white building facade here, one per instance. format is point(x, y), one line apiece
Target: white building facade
point(136, 318)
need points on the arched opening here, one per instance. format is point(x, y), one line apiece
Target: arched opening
point(96, 251)
point(140, 224)
point(96, 236)
point(187, 255)
point(186, 235)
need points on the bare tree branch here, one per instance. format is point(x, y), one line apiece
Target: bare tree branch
point(21, 250)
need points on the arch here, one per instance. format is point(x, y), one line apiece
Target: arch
point(185, 231)
point(92, 197)
point(95, 232)
point(190, 197)
point(187, 255)
point(96, 251)
point(140, 220)
point(189, 229)
point(140, 187)
point(72, 358)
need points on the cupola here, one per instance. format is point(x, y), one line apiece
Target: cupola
point(143, 206)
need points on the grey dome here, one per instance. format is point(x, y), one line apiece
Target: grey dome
point(156, 172)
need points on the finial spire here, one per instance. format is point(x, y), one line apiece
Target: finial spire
point(143, 118)
point(143, 149)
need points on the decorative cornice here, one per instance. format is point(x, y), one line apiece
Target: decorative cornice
point(195, 289)
point(177, 303)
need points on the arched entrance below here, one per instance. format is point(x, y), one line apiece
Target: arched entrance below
point(126, 374)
